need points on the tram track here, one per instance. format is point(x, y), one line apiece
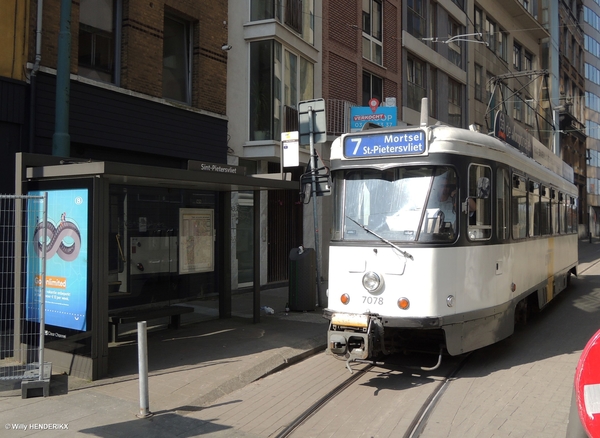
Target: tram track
point(419, 420)
point(316, 407)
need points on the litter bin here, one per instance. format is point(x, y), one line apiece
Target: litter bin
point(303, 279)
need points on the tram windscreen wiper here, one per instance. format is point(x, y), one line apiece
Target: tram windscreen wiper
point(383, 239)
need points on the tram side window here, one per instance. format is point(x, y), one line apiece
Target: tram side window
point(554, 212)
point(503, 204)
point(534, 208)
point(572, 211)
point(519, 208)
point(545, 225)
point(479, 204)
point(562, 199)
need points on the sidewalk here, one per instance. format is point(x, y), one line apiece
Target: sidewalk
point(189, 367)
point(208, 358)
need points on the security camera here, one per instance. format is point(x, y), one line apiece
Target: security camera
point(226, 47)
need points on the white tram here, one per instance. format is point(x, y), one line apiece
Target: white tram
point(444, 237)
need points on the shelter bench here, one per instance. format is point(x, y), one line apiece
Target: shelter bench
point(125, 316)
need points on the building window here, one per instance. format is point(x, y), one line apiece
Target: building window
point(529, 112)
point(372, 87)
point(262, 10)
point(293, 14)
point(432, 23)
point(454, 103)
point(517, 108)
point(416, 18)
point(416, 82)
point(371, 28)
point(279, 79)
point(490, 32)
point(528, 61)
point(503, 45)
point(455, 48)
point(517, 53)
point(433, 93)
point(527, 5)
point(177, 55)
point(478, 20)
point(490, 97)
point(460, 4)
point(478, 82)
point(545, 13)
point(262, 66)
point(99, 33)
point(298, 15)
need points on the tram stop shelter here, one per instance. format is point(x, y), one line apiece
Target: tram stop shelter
point(129, 238)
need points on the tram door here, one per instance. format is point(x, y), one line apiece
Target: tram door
point(480, 264)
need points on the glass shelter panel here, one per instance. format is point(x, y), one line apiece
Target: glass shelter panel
point(152, 258)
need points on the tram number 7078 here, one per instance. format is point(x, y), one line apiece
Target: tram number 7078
point(372, 300)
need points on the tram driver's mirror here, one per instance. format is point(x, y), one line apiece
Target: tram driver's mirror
point(483, 188)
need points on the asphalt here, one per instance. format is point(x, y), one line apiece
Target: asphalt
point(207, 358)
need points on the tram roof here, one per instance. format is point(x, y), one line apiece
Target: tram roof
point(542, 160)
point(221, 177)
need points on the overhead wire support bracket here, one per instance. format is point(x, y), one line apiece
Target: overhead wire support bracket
point(456, 38)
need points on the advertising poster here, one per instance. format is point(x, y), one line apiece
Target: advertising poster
point(196, 240)
point(380, 115)
point(66, 259)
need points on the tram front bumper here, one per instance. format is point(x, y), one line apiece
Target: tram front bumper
point(349, 335)
point(351, 345)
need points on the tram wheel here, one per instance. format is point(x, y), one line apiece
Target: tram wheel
point(521, 312)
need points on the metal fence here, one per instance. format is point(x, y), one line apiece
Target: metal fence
point(23, 236)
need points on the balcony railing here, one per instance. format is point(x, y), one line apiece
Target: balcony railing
point(337, 113)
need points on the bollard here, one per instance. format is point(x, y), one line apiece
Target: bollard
point(590, 234)
point(143, 370)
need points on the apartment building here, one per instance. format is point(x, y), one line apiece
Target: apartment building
point(274, 63)
point(507, 73)
point(591, 33)
point(571, 107)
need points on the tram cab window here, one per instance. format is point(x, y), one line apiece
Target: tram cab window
point(478, 205)
point(399, 204)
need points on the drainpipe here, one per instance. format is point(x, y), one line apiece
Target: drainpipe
point(61, 141)
point(34, 70)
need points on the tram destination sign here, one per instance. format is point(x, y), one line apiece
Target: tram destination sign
point(385, 144)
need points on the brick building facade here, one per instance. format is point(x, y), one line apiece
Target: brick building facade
point(121, 105)
point(345, 65)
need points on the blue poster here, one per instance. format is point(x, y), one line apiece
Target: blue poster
point(383, 116)
point(66, 259)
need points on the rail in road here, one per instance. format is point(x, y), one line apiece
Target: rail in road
point(521, 386)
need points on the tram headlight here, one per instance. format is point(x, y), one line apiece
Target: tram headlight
point(372, 281)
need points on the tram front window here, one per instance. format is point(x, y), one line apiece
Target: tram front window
point(400, 204)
